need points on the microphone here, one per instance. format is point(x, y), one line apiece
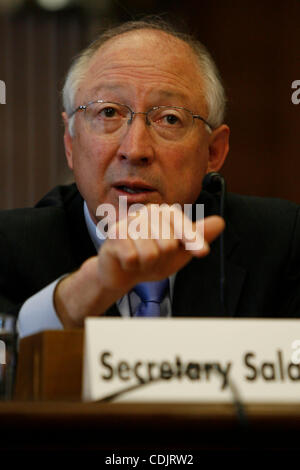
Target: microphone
point(237, 402)
point(214, 183)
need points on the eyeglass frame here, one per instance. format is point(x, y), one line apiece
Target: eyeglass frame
point(133, 113)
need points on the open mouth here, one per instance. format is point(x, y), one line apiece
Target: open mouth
point(133, 187)
point(133, 190)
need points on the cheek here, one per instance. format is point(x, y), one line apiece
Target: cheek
point(187, 167)
point(188, 160)
point(89, 155)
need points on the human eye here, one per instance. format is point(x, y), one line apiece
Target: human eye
point(171, 119)
point(168, 117)
point(106, 117)
point(107, 111)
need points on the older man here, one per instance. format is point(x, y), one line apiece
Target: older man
point(143, 118)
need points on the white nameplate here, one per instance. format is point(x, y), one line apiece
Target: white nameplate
point(192, 360)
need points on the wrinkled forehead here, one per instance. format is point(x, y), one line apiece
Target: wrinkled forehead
point(151, 56)
point(141, 41)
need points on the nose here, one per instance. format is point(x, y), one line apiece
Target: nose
point(136, 145)
point(133, 113)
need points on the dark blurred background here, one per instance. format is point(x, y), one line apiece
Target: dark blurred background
point(256, 45)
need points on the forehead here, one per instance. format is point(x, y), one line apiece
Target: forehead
point(144, 63)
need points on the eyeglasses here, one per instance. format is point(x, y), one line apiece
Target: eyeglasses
point(108, 118)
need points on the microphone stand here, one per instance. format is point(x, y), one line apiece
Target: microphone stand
point(214, 183)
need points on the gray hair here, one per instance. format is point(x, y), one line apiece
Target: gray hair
point(214, 93)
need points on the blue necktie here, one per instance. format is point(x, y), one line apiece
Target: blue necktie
point(151, 295)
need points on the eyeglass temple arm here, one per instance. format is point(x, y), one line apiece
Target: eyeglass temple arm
point(197, 116)
point(80, 108)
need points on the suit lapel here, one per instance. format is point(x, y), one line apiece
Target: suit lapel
point(196, 289)
point(112, 311)
point(235, 277)
point(235, 273)
point(81, 243)
point(197, 285)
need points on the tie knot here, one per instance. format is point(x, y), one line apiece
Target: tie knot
point(152, 291)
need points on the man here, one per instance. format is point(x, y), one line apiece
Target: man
point(144, 119)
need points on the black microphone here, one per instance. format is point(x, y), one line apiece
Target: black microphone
point(214, 183)
point(235, 395)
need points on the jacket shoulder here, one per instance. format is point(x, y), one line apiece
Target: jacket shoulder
point(51, 206)
point(36, 243)
point(48, 223)
point(261, 212)
point(59, 196)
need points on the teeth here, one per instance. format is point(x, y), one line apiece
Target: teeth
point(133, 191)
point(130, 190)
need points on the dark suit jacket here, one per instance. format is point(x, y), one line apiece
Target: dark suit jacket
point(262, 256)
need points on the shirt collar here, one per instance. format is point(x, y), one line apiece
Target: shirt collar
point(92, 228)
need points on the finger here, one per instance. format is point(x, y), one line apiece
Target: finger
point(124, 251)
point(175, 224)
point(190, 233)
point(213, 227)
point(167, 246)
point(148, 254)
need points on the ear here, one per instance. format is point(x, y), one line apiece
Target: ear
point(218, 148)
point(68, 141)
